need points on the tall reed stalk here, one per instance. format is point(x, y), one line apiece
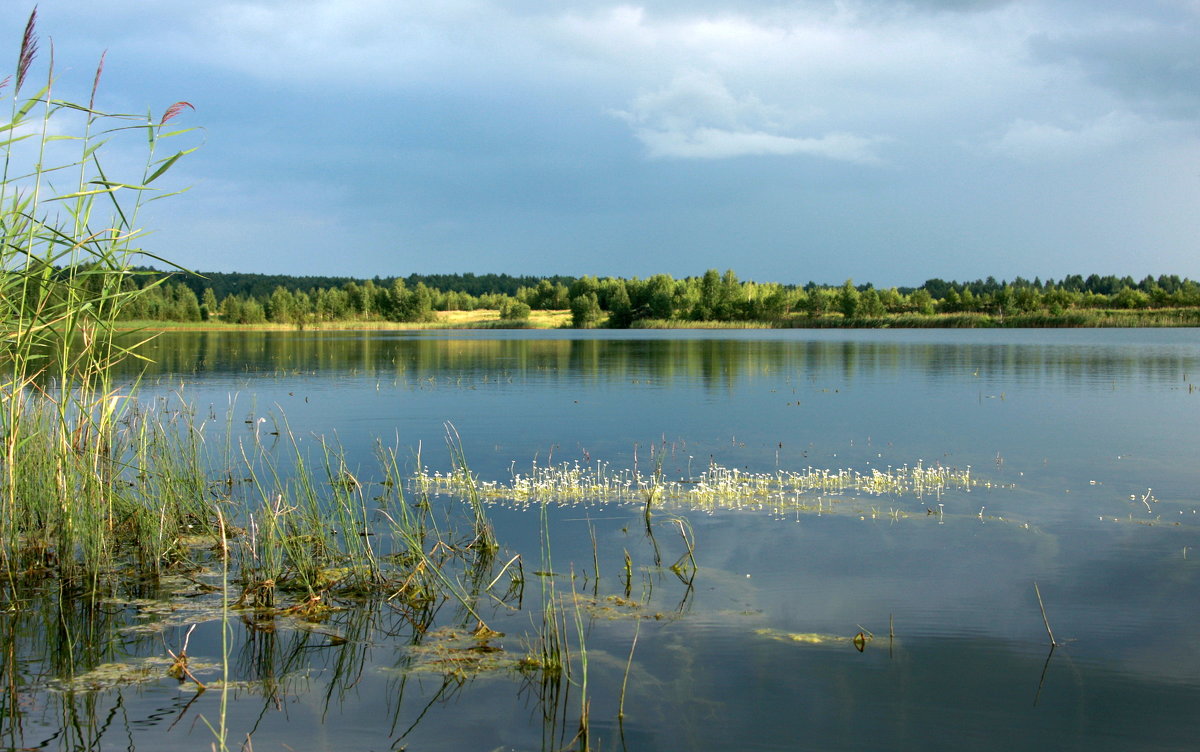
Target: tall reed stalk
point(69, 239)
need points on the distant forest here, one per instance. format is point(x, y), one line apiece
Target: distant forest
point(262, 285)
point(621, 302)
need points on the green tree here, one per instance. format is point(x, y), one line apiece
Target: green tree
point(548, 296)
point(585, 311)
point(396, 303)
point(329, 304)
point(870, 304)
point(514, 310)
point(420, 304)
point(253, 312)
point(620, 309)
point(821, 300)
point(847, 299)
point(921, 301)
point(951, 302)
point(231, 309)
point(1127, 297)
point(730, 299)
point(359, 299)
point(184, 304)
point(893, 301)
point(659, 294)
point(582, 286)
point(968, 301)
point(280, 305)
point(1004, 300)
point(708, 296)
point(1027, 299)
point(208, 304)
point(772, 305)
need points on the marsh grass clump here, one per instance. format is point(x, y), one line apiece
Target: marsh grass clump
point(315, 532)
point(132, 495)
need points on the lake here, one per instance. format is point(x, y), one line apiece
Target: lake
point(870, 616)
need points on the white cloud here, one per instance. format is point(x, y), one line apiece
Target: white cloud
point(697, 117)
point(1027, 139)
point(714, 143)
point(695, 98)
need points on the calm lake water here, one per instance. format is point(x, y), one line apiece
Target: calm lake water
point(1084, 445)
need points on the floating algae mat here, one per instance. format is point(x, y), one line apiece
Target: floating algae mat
point(459, 652)
point(858, 640)
point(716, 488)
point(150, 669)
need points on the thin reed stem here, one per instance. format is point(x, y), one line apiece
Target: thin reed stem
point(1045, 620)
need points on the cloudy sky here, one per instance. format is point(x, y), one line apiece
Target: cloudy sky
point(791, 141)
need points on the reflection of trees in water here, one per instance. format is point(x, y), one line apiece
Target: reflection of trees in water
point(717, 363)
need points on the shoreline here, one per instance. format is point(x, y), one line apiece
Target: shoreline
point(488, 319)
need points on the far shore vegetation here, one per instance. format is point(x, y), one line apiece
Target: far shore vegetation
point(170, 300)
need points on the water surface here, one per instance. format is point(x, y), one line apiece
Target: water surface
point(1085, 442)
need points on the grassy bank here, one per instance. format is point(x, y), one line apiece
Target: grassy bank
point(489, 319)
point(1098, 318)
point(476, 319)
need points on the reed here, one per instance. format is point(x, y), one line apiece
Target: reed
point(485, 538)
point(583, 736)
point(301, 529)
point(69, 241)
point(1045, 620)
point(550, 663)
point(314, 529)
point(549, 655)
point(221, 731)
point(625, 678)
point(688, 324)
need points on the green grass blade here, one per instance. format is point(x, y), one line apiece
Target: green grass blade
point(167, 164)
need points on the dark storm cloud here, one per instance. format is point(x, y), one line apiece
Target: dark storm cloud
point(886, 140)
point(1153, 66)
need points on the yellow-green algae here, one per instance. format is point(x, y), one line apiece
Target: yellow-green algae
point(460, 652)
point(716, 488)
point(815, 638)
point(152, 668)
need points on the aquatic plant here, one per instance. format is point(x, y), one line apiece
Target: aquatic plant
point(550, 665)
point(717, 487)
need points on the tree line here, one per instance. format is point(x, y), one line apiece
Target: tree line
point(620, 302)
point(260, 286)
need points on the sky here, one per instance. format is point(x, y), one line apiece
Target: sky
point(888, 142)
